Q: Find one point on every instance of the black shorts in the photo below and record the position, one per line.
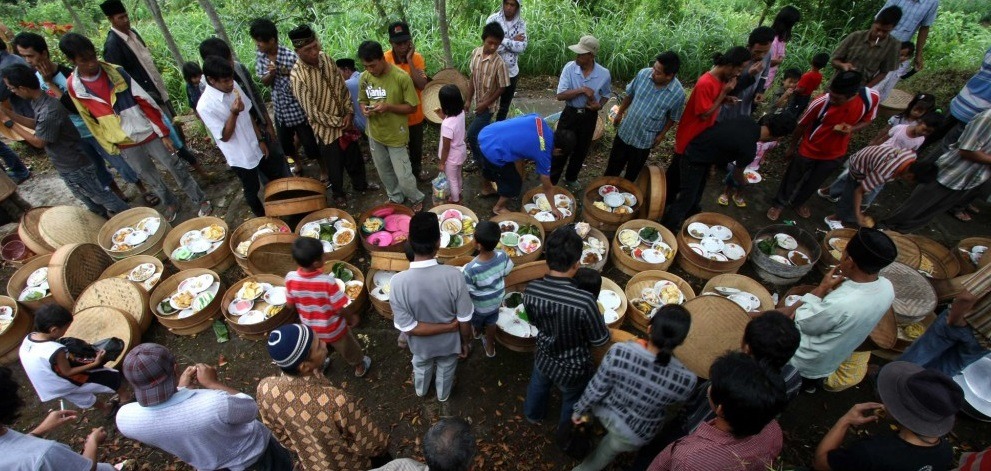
(508, 181)
(106, 377)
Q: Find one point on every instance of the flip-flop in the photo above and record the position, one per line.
(418, 206)
(773, 213)
(739, 202)
(803, 212)
(962, 216)
(152, 199)
(723, 200)
(833, 224)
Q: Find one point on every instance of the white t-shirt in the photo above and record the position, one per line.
(20, 452)
(242, 149)
(898, 137)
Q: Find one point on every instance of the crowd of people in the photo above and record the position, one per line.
(117, 111)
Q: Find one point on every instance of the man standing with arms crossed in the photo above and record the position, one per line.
(513, 44)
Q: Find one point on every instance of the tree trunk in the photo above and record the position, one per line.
(77, 23)
(218, 26)
(763, 14)
(169, 40)
(445, 37)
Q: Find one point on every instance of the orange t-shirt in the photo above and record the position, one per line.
(417, 116)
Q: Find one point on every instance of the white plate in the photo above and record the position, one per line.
(718, 257)
(199, 245)
(734, 251)
(136, 238)
(379, 294)
(806, 257)
(785, 241)
(565, 212)
(328, 246)
(628, 238)
(609, 299)
(610, 316)
(614, 200)
(791, 299)
(38, 276)
(544, 216)
(752, 176)
(833, 243)
(507, 240)
(512, 225)
(530, 207)
(32, 289)
(529, 240)
(190, 236)
(6, 313)
(451, 226)
(264, 287)
(712, 244)
(343, 224)
(593, 252)
(120, 235)
(781, 260)
(196, 284)
(149, 224)
(142, 272)
(726, 290)
(697, 230)
(607, 189)
(445, 239)
(383, 277)
(310, 229)
(722, 233)
(653, 256)
(562, 201)
(251, 317)
(630, 199)
(176, 306)
(185, 313)
(697, 249)
(233, 309)
(748, 301)
(275, 296)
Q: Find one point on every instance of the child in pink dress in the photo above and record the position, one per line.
(452, 151)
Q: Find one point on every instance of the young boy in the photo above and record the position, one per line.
(808, 84)
(588, 280)
(904, 70)
(485, 276)
(46, 362)
(319, 301)
(193, 75)
(789, 80)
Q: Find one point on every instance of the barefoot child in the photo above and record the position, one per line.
(452, 151)
(46, 362)
(319, 301)
(485, 276)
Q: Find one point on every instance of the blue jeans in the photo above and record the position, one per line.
(539, 390)
(836, 189)
(84, 185)
(481, 120)
(944, 347)
(15, 168)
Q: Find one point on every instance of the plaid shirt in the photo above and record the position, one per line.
(287, 109)
(650, 110)
(915, 14)
(711, 449)
(958, 173)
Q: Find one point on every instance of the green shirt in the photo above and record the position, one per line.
(395, 88)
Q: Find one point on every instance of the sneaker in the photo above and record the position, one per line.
(367, 363)
(833, 224)
(485, 346)
(401, 341)
(824, 194)
(205, 209)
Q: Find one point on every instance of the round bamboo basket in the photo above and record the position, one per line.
(151, 246)
(345, 253)
(901, 344)
(654, 188)
(523, 219)
(123, 268)
(200, 320)
(779, 273)
(945, 264)
(615, 336)
(798, 290)
(219, 260)
(607, 221)
(11, 338)
(102, 322)
(260, 330)
(896, 102)
(272, 254)
(550, 226)
(453, 76)
(294, 195)
(625, 262)
(909, 252)
(597, 234)
(19, 280)
(469, 244)
(962, 254)
(517, 281)
(914, 294)
(244, 232)
(717, 327)
(72, 268)
(743, 283)
(611, 285)
(383, 261)
(396, 246)
(118, 293)
(827, 260)
(7, 186)
(702, 267)
(459, 261)
(63, 225)
(29, 233)
(359, 304)
(646, 279)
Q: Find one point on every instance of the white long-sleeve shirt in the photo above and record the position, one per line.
(510, 49)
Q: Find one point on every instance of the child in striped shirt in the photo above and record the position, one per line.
(485, 276)
(319, 300)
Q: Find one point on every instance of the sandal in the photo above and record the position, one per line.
(773, 213)
(723, 200)
(152, 199)
(803, 212)
(367, 363)
(962, 216)
(417, 206)
(739, 202)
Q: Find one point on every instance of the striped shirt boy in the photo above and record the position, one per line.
(488, 73)
(319, 301)
(873, 166)
(487, 282)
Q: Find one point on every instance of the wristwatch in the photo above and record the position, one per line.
(9, 123)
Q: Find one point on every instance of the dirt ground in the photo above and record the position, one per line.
(488, 392)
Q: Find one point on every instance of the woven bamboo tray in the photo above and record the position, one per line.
(11, 338)
(516, 281)
(717, 328)
(631, 266)
(744, 283)
(72, 268)
(260, 330)
(63, 225)
(909, 252)
(522, 219)
(615, 336)
(945, 264)
(962, 254)
(653, 185)
(389, 261)
(345, 253)
(550, 226)
(469, 243)
(192, 324)
(646, 279)
(896, 102)
(123, 268)
(702, 267)
(219, 260)
(827, 261)
(272, 254)
(118, 293)
(453, 76)
(607, 221)
(396, 246)
(101, 322)
(18, 281)
(294, 195)
(611, 285)
(914, 295)
(244, 232)
(29, 233)
(151, 246)
(7, 186)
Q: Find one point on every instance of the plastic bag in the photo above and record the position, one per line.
(442, 188)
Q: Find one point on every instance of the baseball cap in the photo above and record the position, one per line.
(150, 368)
(399, 32)
(586, 45)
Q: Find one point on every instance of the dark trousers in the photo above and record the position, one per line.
(626, 156)
(15, 167)
(306, 138)
(507, 98)
(686, 201)
(582, 122)
(803, 177)
(344, 160)
(274, 458)
(415, 149)
(926, 201)
(271, 168)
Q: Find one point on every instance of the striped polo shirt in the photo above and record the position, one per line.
(979, 284)
(487, 74)
(487, 282)
(319, 301)
(569, 324)
(874, 166)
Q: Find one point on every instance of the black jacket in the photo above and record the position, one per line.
(115, 51)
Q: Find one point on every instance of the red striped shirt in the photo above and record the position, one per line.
(319, 301)
(874, 166)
